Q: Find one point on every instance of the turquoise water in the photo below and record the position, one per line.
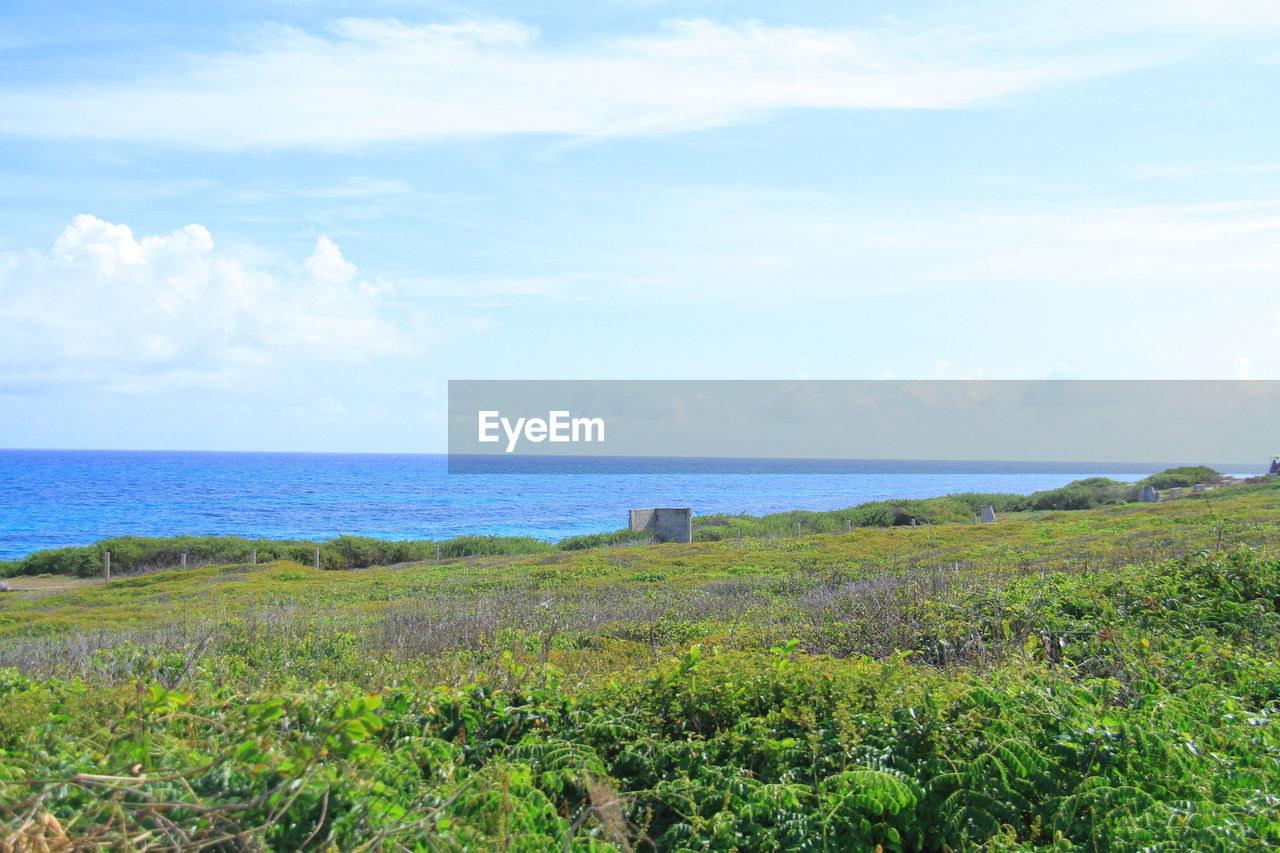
(52, 498)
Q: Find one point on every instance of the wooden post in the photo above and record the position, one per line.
(975, 519)
(437, 553)
(797, 528)
(184, 559)
(253, 558)
(317, 558)
(106, 565)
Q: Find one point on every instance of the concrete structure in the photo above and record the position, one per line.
(1148, 495)
(988, 514)
(1172, 493)
(1198, 488)
(666, 524)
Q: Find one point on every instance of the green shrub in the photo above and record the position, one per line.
(133, 553)
(1173, 478)
(467, 546)
(1110, 706)
(62, 561)
(136, 553)
(603, 540)
(1154, 727)
(1083, 494)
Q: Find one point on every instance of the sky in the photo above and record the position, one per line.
(286, 225)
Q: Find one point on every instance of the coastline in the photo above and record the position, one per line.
(133, 553)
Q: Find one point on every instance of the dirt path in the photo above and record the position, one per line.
(33, 583)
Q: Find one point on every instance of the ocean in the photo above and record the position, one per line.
(55, 498)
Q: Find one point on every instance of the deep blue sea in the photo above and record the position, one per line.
(52, 498)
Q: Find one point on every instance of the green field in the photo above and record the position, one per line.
(1100, 679)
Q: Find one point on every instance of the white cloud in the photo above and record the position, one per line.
(1152, 171)
(103, 308)
(752, 243)
(353, 188)
(369, 81)
(362, 81)
(1225, 244)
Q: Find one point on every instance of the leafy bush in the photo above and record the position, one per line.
(132, 553)
(466, 546)
(895, 694)
(604, 540)
(1152, 726)
(60, 561)
(1084, 494)
(949, 509)
(136, 553)
(1173, 478)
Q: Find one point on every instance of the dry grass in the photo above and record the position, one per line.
(48, 583)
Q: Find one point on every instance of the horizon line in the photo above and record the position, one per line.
(602, 457)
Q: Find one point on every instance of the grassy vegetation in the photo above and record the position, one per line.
(1093, 680)
(131, 554)
(949, 509)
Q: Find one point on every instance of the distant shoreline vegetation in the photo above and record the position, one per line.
(131, 554)
(499, 462)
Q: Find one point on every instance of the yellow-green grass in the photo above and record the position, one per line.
(47, 583)
(1074, 682)
(1023, 542)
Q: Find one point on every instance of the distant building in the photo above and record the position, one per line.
(666, 524)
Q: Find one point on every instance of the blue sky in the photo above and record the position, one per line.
(285, 225)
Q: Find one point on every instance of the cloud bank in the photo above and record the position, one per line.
(757, 244)
(384, 80)
(103, 308)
